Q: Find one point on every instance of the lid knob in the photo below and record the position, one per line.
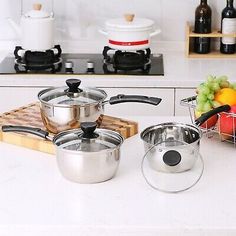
(73, 85)
(37, 6)
(172, 158)
(129, 17)
(88, 128)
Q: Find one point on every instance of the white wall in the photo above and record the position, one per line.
(79, 19)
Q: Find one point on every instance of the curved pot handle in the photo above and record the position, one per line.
(155, 32)
(102, 31)
(204, 117)
(121, 98)
(25, 129)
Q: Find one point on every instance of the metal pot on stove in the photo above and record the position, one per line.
(36, 29)
(129, 33)
(66, 107)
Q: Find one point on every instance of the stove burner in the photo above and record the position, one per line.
(26, 60)
(126, 61)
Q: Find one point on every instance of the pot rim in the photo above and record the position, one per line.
(117, 135)
(69, 105)
(139, 24)
(150, 128)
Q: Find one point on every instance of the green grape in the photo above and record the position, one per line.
(223, 78)
(210, 96)
(210, 78)
(201, 98)
(205, 90)
(200, 106)
(209, 84)
(215, 104)
(215, 87)
(224, 84)
(207, 107)
(218, 80)
(200, 87)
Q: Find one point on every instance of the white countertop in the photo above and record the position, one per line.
(179, 72)
(36, 200)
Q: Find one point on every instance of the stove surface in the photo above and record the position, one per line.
(80, 63)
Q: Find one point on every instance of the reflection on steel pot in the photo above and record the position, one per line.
(129, 33)
(86, 155)
(174, 148)
(66, 107)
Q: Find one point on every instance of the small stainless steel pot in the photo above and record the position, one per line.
(86, 155)
(178, 143)
(172, 162)
(66, 107)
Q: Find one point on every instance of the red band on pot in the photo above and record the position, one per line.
(129, 43)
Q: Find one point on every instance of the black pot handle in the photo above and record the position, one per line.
(204, 117)
(25, 129)
(120, 98)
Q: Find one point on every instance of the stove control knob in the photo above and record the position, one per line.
(69, 66)
(90, 67)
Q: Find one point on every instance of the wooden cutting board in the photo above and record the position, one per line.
(30, 116)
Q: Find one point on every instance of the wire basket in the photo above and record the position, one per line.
(224, 127)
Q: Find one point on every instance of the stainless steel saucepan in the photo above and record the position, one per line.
(172, 150)
(86, 155)
(66, 107)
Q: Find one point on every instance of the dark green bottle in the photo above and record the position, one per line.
(228, 26)
(202, 25)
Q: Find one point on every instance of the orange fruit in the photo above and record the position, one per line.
(226, 96)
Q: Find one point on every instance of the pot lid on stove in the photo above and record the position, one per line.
(129, 22)
(72, 94)
(37, 12)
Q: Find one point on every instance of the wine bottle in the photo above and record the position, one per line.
(202, 26)
(228, 26)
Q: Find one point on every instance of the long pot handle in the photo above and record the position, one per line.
(25, 129)
(211, 113)
(121, 98)
(102, 31)
(155, 32)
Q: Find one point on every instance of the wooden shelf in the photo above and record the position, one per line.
(214, 53)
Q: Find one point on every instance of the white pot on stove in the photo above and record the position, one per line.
(36, 29)
(129, 33)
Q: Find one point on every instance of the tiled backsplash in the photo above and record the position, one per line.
(80, 19)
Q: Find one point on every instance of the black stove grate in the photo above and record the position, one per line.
(82, 64)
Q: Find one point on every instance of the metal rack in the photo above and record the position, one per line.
(216, 130)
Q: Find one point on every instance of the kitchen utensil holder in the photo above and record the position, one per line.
(214, 53)
(214, 131)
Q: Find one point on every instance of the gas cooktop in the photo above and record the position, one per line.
(82, 64)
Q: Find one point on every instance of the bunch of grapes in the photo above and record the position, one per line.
(206, 92)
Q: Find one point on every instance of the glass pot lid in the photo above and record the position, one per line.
(72, 94)
(172, 166)
(88, 139)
